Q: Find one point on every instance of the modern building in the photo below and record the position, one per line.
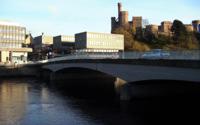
(12, 37)
(42, 41)
(42, 47)
(99, 42)
(63, 43)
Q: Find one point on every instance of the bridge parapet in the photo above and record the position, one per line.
(162, 62)
(131, 73)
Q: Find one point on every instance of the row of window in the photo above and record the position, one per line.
(70, 39)
(95, 50)
(104, 44)
(12, 42)
(10, 45)
(104, 36)
(11, 27)
(13, 31)
(12, 35)
(12, 38)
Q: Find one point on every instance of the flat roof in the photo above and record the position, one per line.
(101, 33)
(10, 23)
(65, 36)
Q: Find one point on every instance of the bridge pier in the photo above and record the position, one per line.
(125, 92)
(52, 77)
(119, 83)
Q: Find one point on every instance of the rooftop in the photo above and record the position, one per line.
(100, 33)
(9, 23)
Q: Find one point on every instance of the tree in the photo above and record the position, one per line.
(161, 41)
(197, 36)
(179, 30)
(128, 38)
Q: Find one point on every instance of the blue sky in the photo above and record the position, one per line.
(66, 17)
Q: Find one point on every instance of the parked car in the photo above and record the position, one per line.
(155, 54)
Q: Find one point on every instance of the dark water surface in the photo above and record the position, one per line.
(28, 101)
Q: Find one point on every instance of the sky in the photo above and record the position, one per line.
(67, 17)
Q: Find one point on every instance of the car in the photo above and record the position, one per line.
(155, 54)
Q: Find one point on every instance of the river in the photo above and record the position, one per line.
(29, 101)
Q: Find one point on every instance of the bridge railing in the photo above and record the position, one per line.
(173, 55)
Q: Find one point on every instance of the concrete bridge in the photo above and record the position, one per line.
(132, 70)
(128, 72)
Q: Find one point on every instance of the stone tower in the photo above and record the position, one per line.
(119, 9)
(123, 19)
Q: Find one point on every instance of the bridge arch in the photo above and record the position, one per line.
(85, 82)
(55, 68)
(134, 73)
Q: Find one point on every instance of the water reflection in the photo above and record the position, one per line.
(13, 99)
(31, 102)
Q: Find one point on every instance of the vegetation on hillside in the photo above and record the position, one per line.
(180, 39)
(130, 42)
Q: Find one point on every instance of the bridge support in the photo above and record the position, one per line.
(125, 92)
(52, 77)
(118, 84)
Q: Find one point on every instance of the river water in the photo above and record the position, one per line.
(28, 101)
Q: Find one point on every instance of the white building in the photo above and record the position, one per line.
(12, 36)
(99, 42)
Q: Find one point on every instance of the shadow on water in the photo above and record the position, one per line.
(85, 83)
(179, 103)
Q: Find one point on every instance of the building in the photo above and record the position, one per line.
(137, 23)
(99, 42)
(166, 26)
(189, 27)
(63, 43)
(42, 41)
(122, 21)
(12, 37)
(163, 29)
(196, 25)
(28, 41)
(42, 47)
(152, 29)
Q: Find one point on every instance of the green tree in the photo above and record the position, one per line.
(161, 41)
(179, 31)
